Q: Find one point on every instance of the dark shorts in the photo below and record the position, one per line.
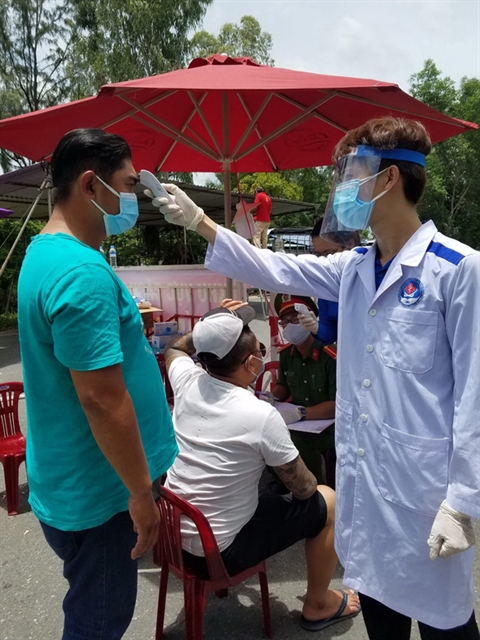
(278, 523)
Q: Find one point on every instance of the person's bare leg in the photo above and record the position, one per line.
(322, 602)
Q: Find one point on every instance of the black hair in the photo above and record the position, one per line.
(227, 365)
(86, 150)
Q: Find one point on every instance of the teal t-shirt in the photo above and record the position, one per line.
(75, 313)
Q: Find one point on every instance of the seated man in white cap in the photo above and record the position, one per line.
(226, 438)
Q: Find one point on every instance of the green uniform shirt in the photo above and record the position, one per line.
(311, 380)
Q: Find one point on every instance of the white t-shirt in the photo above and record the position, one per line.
(226, 436)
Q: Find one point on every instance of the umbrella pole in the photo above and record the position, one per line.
(226, 176)
(20, 233)
(228, 217)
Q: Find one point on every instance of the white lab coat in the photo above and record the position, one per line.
(407, 408)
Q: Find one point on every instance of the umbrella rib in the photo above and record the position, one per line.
(257, 131)
(317, 115)
(298, 119)
(253, 122)
(447, 119)
(127, 114)
(208, 151)
(184, 126)
(204, 120)
(170, 134)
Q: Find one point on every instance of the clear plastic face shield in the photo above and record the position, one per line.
(351, 202)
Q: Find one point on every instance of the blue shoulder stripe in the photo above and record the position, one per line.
(360, 249)
(444, 252)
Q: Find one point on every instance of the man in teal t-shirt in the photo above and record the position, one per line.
(99, 427)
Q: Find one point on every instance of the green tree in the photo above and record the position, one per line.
(8, 282)
(245, 39)
(315, 183)
(452, 196)
(428, 86)
(275, 184)
(126, 39)
(35, 38)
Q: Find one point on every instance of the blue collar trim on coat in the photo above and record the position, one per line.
(444, 252)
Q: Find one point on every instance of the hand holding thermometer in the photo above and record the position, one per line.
(149, 180)
(301, 308)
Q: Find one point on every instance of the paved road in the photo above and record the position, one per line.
(33, 587)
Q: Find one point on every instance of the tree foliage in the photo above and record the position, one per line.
(235, 40)
(151, 245)
(126, 39)
(452, 196)
(35, 38)
(8, 282)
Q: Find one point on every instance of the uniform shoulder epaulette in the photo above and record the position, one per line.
(330, 351)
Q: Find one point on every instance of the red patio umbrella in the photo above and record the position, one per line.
(225, 114)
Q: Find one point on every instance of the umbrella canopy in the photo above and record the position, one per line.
(223, 113)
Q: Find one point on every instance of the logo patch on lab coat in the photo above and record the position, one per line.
(410, 292)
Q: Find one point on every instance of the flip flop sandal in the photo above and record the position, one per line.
(318, 625)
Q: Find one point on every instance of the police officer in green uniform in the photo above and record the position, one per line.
(307, 376)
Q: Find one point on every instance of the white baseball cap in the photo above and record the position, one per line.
(218, 331)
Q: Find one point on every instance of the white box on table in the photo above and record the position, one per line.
(160, 342)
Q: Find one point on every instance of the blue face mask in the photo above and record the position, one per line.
(349, 210)
(126, 218)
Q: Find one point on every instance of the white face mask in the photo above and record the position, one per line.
(295, 333)
(257, 375)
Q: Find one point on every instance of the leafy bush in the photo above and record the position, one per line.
(8, 321)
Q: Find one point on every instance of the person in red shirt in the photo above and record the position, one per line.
(262, 218)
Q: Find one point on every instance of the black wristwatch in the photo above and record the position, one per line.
(303, 413)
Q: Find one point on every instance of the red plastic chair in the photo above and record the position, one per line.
(168, 554)
(12, 442)
(272, 368)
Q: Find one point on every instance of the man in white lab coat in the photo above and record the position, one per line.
(408, 392)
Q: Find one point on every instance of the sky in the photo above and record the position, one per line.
(386, 40)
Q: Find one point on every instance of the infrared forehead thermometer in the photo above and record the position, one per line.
(301, 308)
(149, 180)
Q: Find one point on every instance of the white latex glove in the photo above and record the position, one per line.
(288, 412)
(184, 212)
(310, 322)
(451, 533)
